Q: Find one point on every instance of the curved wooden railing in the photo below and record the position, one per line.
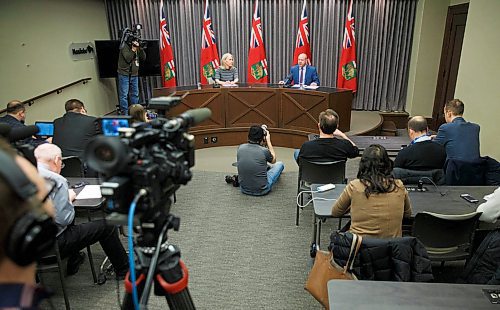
(57, 90)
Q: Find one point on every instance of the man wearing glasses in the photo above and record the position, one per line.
(73, 238)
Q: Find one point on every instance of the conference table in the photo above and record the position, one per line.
(382, 295)
(436, 199)
(393, 144)
(290, 114)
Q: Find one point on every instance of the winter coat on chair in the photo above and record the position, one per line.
(397, 259)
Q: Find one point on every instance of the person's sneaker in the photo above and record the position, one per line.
(74, 263)
(236, 183)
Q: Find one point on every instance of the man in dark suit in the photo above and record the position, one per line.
(74, 130)
(459, 137)
(302, 73)
(16, 114)
(422, 153)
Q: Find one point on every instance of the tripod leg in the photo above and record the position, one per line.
(128, 302)
(180, 300)
(173, 283)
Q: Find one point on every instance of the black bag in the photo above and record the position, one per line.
(485, 262)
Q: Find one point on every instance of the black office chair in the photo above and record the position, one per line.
(446, 237)
(73, 167)
(51, 262)
(313, 172)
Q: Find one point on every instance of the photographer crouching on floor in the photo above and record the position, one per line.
(254, 175)
(131, 55)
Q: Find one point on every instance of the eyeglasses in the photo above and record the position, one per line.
(62, 164)
(53, 186)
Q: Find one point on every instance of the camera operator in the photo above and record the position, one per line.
(22, 212)
(131, 55)
(253, 175)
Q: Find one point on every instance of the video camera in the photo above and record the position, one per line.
(128, 36)
(154, 158)
(18, 138)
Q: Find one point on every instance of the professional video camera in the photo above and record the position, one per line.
(128, 36)
(143, 168)
(17, 138)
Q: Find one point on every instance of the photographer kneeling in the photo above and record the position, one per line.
(253, 174)
(74, 237)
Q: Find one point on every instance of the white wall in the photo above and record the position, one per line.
(478, 83)
(35, 36)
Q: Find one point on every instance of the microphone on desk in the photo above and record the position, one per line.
(287, 80)
(421, 184)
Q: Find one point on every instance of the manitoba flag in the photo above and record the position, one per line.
(302, 45)
(348, 69)
(168, 76)
(257, 62)
(209, 56)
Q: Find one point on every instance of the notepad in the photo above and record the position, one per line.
(90, 192)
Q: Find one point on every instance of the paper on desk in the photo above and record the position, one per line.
(311, 87)
(90, 192)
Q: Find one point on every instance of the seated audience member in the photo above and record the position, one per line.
(71, 237)
(138, 113)
(74, 129)
(490, 208)
(422, 155)
(302, 73)
(16, 114)
(17, 279)
(328, 147)
(226, 73)
(254, 176)
(377, 202)
(459, 137)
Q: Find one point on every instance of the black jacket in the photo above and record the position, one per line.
(398, 259)
(73, 131)
(484, 266)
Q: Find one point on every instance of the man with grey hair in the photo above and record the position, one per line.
(73, 238)
(422, 153)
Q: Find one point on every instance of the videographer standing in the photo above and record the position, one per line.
(253, 175)
(128, 70)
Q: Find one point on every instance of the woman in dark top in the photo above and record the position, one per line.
(226, 74)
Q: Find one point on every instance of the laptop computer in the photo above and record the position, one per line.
(46, 129)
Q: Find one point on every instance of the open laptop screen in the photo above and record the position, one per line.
(46, 129)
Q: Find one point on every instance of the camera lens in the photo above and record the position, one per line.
(108, 155)
(103, 152)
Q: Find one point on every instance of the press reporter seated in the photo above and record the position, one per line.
(22, 209)
(71, 237)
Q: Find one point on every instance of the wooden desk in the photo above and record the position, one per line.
(432, 200)
(290, 114)
(382, 295)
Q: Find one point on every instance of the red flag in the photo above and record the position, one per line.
(348, 71)
(257, 62)
(302, 45)
(166, 55)
(209, 55)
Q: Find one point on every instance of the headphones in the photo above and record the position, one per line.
(33, 234)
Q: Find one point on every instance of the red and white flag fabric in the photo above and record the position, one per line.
(257, 62)
(348, 69)
(168, 74)
(302, 45)
(209, 59)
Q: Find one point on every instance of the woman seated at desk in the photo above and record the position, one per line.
(377, 202)
(226, 74)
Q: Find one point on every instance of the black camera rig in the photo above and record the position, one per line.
(129, 36)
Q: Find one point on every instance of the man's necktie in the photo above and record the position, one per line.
(301, 79)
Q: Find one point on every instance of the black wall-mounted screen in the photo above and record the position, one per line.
(107, 58)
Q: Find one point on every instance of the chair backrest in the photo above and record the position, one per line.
(458, 172)
(445, 231)
(321, 172)
(408, 176)
(73, 167)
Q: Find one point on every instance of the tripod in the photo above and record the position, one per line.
(162, 265)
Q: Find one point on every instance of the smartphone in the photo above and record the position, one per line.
(111, 124)
(469, 198)
(79, 184)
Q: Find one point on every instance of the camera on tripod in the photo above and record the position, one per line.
(129, 36)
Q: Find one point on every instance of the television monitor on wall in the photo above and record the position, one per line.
(107, 52)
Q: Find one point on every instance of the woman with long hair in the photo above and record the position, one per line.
(227, 72)
(376, 201)
(138, 113)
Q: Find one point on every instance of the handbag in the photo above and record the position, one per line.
(326, 269)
